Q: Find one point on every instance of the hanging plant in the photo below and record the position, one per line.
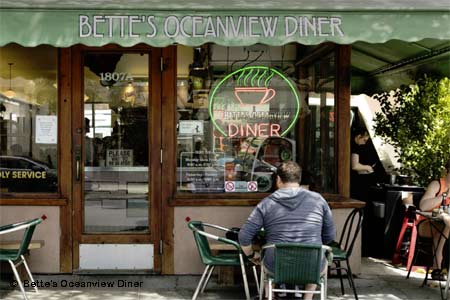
(415, 120)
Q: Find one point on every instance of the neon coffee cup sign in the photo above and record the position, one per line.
(254, 101)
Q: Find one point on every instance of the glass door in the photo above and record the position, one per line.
(113, 165)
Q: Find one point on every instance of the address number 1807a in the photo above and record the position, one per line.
(116, 76)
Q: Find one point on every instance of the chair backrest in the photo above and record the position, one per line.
(28, 227)
(351, 229)
(202, 241)
(298, 263)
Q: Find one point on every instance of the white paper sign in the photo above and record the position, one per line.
(46, 129)
(191, 127)
(119, 157)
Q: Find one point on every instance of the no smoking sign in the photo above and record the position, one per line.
(230, 186)
(252, 186)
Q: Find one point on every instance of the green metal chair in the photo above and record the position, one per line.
(15, 257)
(297, 264)
(343, 250)
(236, 258)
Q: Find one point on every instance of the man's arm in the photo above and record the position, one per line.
(328, 228)
(250, 229)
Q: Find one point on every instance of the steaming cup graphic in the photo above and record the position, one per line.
(254, 95)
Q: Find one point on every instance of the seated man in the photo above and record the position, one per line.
(437, 194)
(289, 215)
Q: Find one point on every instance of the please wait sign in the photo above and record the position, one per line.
(119, 157)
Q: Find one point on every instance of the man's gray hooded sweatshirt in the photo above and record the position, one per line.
(290, 215)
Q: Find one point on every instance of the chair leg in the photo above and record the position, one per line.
(29, 272)
(322, 291)
(197, 290)
(350, 278)
(261, 283)
(325, 282)
(412, 264)
(412, 246)
(19, 282)
(339, 272)
(244, 277)
(270, 289)
(447, 283)
(425, 280)
(255, 274)
(207, 279)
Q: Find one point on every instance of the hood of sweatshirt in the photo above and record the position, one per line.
(288, 197)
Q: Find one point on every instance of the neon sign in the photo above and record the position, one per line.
(254, 101)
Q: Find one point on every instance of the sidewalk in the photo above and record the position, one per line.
(379, 281)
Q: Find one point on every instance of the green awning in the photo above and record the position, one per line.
(160, 23)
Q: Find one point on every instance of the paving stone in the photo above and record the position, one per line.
(379, 281)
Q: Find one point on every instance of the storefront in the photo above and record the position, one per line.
(120, 123)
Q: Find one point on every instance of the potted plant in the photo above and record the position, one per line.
(415, 119)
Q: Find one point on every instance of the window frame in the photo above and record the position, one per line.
(342, 135)
(61, 196)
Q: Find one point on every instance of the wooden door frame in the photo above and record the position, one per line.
(154, 130)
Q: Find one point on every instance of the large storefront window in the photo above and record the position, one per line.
(28, 119)
(237, 115)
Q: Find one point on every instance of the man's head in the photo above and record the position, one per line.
(288, 173)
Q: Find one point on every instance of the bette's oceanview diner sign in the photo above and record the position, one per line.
(149, 26)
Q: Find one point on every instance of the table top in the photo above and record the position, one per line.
(218, 246)
(12, 245)
(429, 215)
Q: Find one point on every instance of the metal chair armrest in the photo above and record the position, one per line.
(19, 226)
(218, 238)
(264, 248)
(216, 227)
(327, 248)
(328, 254)
(9, 226)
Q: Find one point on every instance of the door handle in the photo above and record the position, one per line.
(78, 169)
(78, 163)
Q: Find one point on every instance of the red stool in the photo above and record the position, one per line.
(409, 221)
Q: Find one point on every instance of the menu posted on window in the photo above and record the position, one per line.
(46, 129)
(201, 171)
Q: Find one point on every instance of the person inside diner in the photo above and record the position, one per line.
(437, 195)
(291, 214)
(362, 165)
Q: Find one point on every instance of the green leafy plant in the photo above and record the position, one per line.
(415, 120)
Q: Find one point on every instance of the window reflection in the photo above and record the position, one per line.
(116, 143)
(237, 114)
(28, 119)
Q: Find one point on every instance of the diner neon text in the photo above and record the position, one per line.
(253, 130)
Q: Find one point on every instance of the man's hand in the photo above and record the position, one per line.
(252, 255)
(256, 258)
